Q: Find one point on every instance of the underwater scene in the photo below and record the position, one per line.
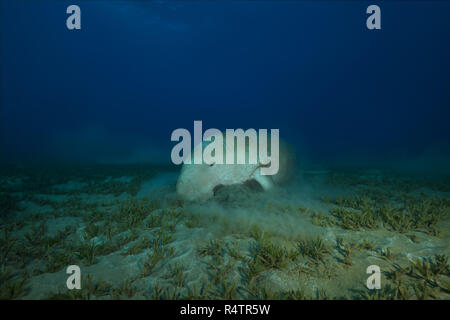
(118, 119)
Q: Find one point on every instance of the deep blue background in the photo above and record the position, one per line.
(115, 90)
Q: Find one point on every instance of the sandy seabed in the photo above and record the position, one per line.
(134, 239)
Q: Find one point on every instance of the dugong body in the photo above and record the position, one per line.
(198, 182)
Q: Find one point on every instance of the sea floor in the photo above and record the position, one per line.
(134, 239)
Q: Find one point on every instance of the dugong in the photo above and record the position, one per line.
(198, 182)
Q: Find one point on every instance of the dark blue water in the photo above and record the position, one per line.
(137, 70)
